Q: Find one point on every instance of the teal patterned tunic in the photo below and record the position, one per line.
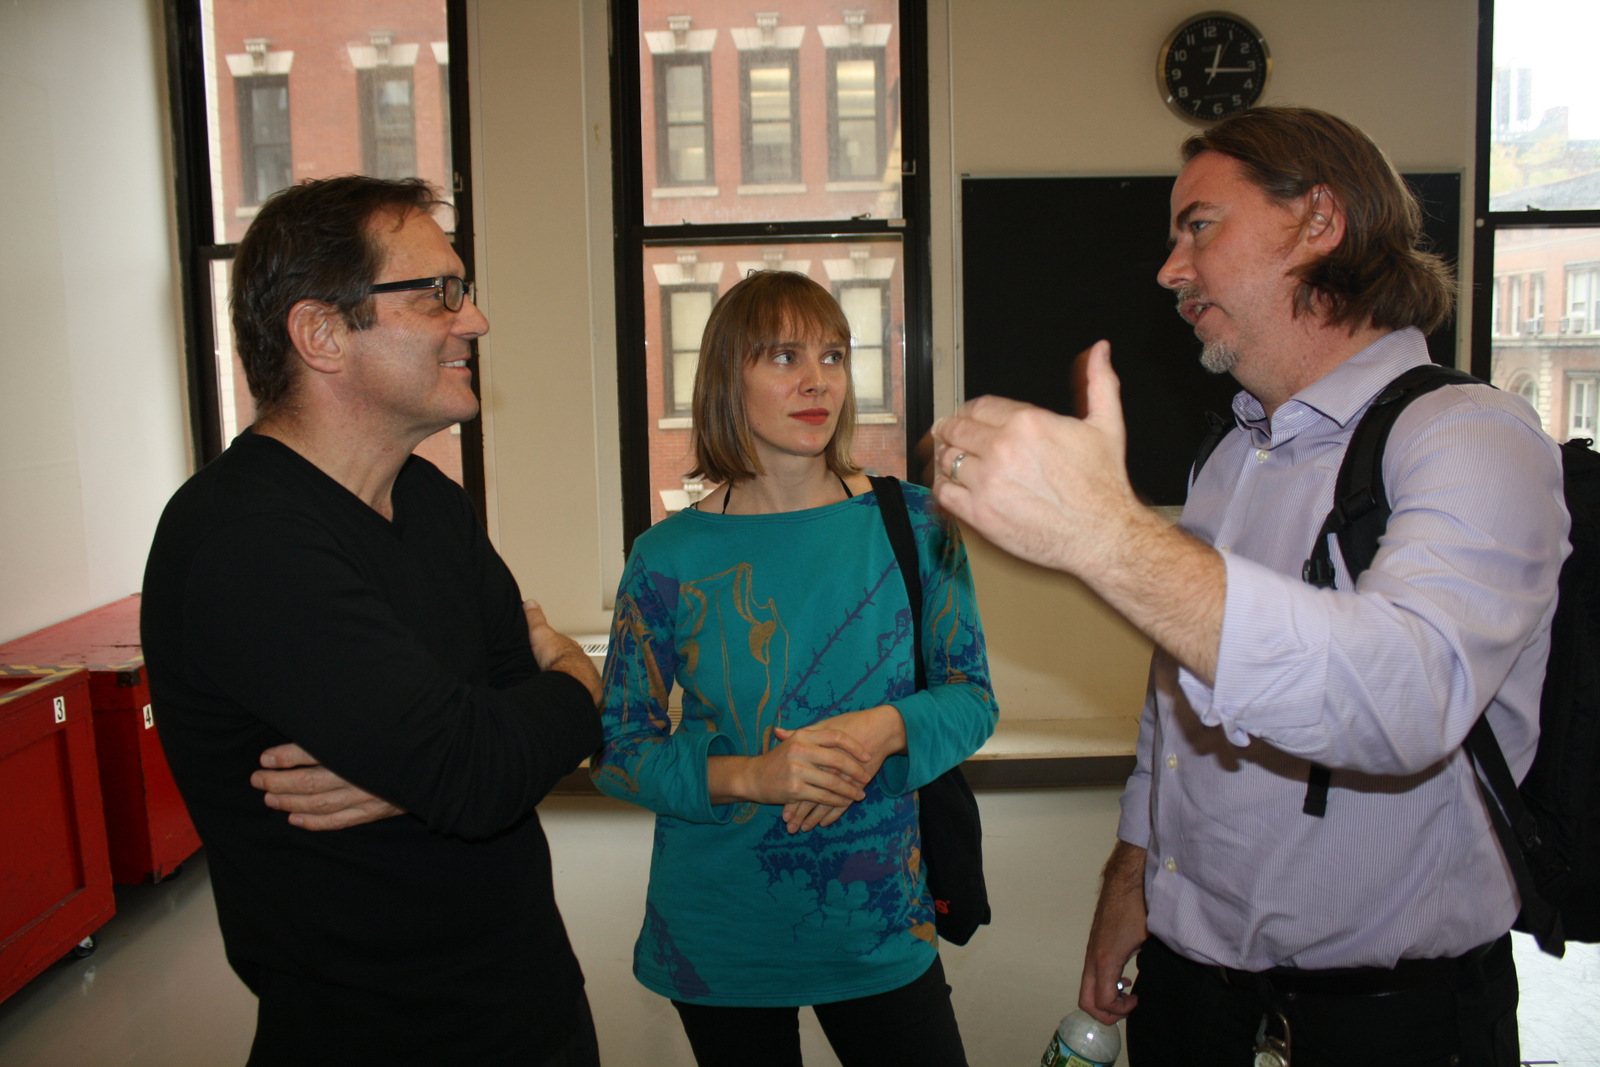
(782, 620)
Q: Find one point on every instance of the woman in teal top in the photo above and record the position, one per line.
(786, 866)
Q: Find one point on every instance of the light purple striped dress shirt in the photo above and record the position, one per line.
(1380, 684)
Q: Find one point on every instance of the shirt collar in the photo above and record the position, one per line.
(1342, 393)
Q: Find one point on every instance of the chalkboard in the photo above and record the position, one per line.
(1051, 265)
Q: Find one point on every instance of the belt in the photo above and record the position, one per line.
(1446, 972)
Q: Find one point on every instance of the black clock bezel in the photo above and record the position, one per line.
(1164, 63)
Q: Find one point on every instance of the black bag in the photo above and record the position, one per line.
(1549, 829)
(952, 837)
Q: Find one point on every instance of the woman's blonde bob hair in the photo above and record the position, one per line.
(762, 311)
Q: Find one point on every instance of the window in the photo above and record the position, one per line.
(354, 109)
(441, 56)
(683, 237)
(1539, 209)
(684, 120)
(684, 311)
(1583, 296)
(866, 306)
(388, 123)
(1524, 385)
(770, 108)
(265, 163)
(1582, 392)
(856, 114)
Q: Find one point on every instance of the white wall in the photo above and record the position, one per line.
(92, 424)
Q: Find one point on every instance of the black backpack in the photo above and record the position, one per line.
(1549, 828)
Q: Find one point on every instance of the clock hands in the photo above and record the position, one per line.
(1217, 67)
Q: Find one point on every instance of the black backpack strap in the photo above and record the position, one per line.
(1360, 503)
(1361, 507)
(897, 524)
(1217, 428)
(1518, 832)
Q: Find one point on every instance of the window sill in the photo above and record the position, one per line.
(859, 187)
(673, 192)
(876, 418)
(772, 190)
(675, 422)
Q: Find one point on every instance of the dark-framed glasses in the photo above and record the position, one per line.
(452, 290)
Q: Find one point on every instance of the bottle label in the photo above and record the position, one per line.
(1059, 1055)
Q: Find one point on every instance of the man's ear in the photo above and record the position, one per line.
(318, 331)
(1324, 221)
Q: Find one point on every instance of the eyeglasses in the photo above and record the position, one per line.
(452, 290)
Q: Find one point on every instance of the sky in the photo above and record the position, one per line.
(1557, 39)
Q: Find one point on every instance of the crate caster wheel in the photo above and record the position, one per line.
(85, 948)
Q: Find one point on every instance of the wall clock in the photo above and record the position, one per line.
(1212, 66)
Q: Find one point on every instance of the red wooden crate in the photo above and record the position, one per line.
(147, 825)
(55, 876)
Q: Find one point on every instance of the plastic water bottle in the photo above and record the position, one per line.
(1082, 1041)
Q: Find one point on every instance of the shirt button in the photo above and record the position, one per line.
(1172, 762)
(1172, 865)
(1261, 455)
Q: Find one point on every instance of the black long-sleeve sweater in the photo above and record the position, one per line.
(278, 607)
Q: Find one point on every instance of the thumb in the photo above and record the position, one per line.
(1100, 390)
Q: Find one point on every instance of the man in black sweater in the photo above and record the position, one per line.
(318, 589)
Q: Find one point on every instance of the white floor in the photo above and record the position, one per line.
(158, 993)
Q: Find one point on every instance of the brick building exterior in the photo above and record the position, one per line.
(308, 90)
(748, 116)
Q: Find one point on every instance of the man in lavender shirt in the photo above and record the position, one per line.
(1376, 933)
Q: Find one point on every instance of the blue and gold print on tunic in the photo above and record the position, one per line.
(784, 620)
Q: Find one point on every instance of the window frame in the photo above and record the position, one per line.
(245, 116)
(199, 247)
(879, 60)
(631, 235)
(884, 288)
(374, 143)
(671, 408)
(1589, 383)
(1590, 315)
(1489, 223)
(707, 123)
(749, 59)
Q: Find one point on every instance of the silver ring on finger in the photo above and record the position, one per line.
(955, 466)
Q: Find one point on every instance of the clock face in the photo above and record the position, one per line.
(1213, 66)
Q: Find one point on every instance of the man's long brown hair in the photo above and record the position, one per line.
(1380, 273)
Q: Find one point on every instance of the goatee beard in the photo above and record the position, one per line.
(1218, 358)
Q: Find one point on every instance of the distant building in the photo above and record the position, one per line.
(770, 117)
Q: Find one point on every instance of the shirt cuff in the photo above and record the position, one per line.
(1266, 661)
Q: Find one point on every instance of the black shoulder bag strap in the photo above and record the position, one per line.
(952, 832)
(897, 524)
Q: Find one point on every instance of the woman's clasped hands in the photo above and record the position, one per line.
(872, 734)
